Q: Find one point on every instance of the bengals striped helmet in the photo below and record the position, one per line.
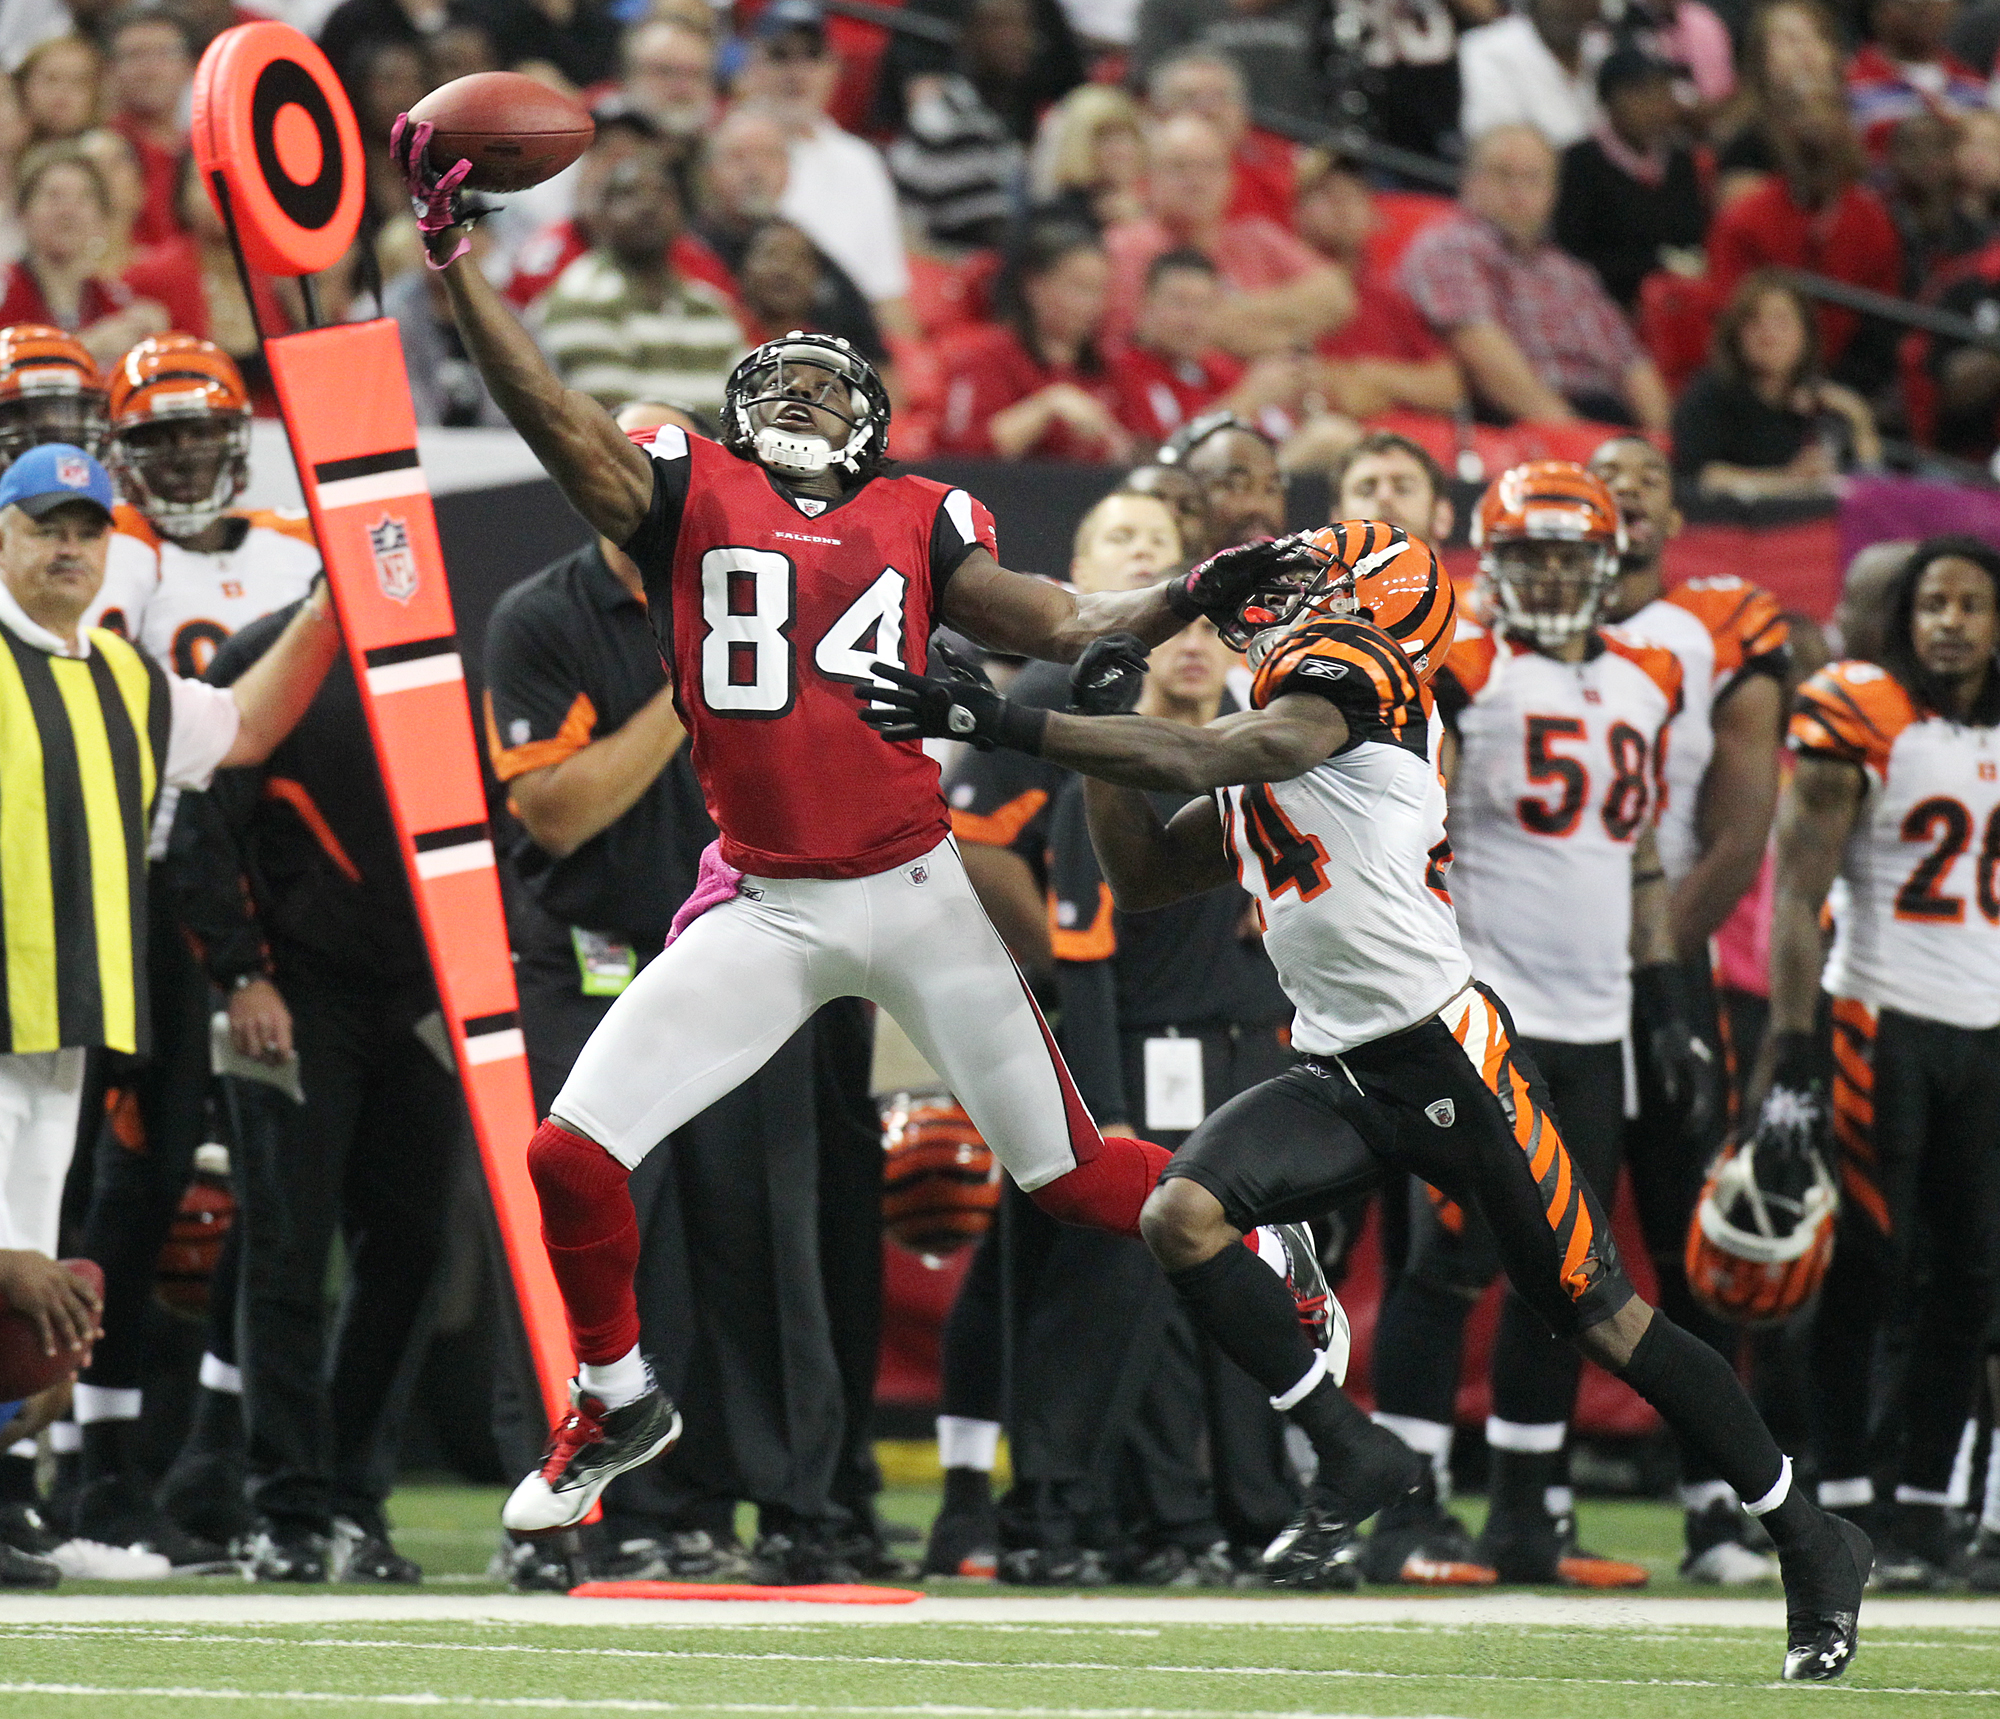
(940, 1182)
(180, 432)
(1549, 537)
(49, 392)
(1762, 1234)
(1365, 568)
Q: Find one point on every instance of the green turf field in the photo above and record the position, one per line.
(220, 1646)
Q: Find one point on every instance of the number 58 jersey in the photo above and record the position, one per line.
(1347, 862)
(770, 610)
(1917, 903)
(1559, 770)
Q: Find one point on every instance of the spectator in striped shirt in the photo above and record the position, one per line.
(621, 323)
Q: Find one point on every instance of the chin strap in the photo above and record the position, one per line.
(807, 456)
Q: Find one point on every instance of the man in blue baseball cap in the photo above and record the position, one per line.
(94, 729)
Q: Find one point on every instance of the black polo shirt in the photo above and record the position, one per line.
(569, 660)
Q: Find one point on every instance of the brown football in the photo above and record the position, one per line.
(514, 130)
(24, 1369)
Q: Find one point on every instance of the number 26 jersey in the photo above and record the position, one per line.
(1917, 903)
(1347, 862)
(770, 610)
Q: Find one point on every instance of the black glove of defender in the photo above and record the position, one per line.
(1109, 676)
(960, 705)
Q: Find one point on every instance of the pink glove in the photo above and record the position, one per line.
(715, 881)
(435, 199)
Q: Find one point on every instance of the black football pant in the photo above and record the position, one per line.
(1454, 1256)
(368, 1155)
(143, 1142)
(1917, 1130)
(732, 1296)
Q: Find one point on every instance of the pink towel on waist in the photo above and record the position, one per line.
(714, 883)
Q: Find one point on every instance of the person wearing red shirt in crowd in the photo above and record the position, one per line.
(1209, 84)
(622, 131)
(1815, 214)
(1908, 70)
(1283, 294)
(151, 64)
(192, 277)
(1385, 356)
(1036, 386)
(64, 209)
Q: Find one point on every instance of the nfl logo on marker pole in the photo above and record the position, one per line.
(395, 566)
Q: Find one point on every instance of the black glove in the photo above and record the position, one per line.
(1109, 676)
(960, 705)
(1219, 586)
(1796, 1122)
(1683, 1064)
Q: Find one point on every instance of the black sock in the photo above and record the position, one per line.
(1701, 1399)
(968, 1489)
(217, 1423)
(110, 1450)
(1419, 1345)
(17, 1480)
(1242, 1303)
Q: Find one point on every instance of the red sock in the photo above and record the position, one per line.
(1108, 1185)
(592, 1236)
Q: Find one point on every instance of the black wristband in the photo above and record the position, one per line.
(1182, 601)
(1020, 727)
(1800, 1060)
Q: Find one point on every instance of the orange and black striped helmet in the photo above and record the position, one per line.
(1762, 1234)
(1365, 568)
(181, 478)
(50, 391)
(1548, 501)
(940, 1184)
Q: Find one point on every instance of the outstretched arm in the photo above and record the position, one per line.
(1285, 739)
(1150, 864)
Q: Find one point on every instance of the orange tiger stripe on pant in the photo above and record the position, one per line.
(1854, 1108)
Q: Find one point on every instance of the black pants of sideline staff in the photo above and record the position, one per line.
(369, 1153)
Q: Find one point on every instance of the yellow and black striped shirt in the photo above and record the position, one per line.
(82, 743)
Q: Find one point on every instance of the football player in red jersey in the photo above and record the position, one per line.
(783, 569)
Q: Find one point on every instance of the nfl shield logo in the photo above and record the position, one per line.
(71, 472)
(920, 873)
(811, 506)
(395, 565)
(1442, 1112)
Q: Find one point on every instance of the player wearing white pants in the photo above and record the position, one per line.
(711, 1010)
(40, 1095)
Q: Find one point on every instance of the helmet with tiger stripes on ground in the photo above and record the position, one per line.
(1549, 536)
(180, 432)
(1362, 568)
(50, 391)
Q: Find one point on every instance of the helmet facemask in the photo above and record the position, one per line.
(183, 470)
(811, 373)
(55, 411)
(1550, 589)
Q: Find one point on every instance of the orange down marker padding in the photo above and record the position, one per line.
(346, 402)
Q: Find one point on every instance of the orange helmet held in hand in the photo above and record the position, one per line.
(940, 1182)
(180, 432)
(1762, 1233)
(1549, 536)
(50, 391)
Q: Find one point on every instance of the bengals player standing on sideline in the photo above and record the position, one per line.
(179, 435)
(1324, 800)
(1721, 788)
(783, 571)
(1555, 734)
(1894, 806)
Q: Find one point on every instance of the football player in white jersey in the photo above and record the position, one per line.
(1555, 731)
(1894, 808)
(178, 434)
(1324, 800)
(50, 391)
(1721, 787)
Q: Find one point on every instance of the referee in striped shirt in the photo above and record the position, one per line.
(90, 729)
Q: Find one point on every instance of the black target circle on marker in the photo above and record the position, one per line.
(280, 84)
(275, 137)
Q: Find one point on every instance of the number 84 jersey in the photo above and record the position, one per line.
(1917, 904)
(1347, 862)
(770, 610)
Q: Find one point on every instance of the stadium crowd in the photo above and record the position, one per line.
(1063, 235)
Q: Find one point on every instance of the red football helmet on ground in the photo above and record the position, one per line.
(1549, 536)
(1359, 567)
(940, 1182)
(179, 432)
(1762, 1234)
(50, 391)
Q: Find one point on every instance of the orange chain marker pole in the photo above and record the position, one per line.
(279, 149)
